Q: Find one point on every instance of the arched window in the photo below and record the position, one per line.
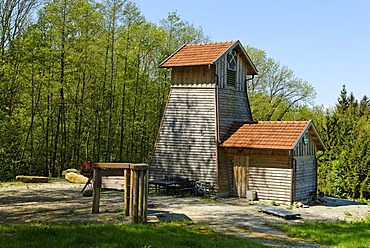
(232, 61)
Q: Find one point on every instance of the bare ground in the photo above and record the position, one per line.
(62, 202)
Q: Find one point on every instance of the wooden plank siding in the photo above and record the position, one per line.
(221, 73)
(271, 183)
(241, 177)
(225, 170)
(270, 176)
(232, 107)
(270, 173)
(303, 149)
(113, 182)
(305, 170)
(193, 75)
(186, 144)
(305, 178)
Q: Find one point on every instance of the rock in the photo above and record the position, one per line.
(75, 178)
(298, 204)
(32, 179)
(69, 170)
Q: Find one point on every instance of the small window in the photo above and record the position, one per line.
(306, 138)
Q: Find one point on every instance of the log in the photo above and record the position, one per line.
(32, 179)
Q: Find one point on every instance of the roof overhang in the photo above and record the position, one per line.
(310, 128)
(272, 135)
(251, 68)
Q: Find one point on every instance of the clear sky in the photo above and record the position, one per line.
(325, 42)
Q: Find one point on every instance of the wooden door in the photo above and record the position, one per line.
(241, 165)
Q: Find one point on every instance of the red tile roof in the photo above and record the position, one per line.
(280, 135)
(197, 54)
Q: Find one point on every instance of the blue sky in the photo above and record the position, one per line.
(326, 43)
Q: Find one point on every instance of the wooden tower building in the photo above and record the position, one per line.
(207, 105)
(207, 96)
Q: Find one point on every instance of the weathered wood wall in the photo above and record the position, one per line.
(303, 149)
(186, 144)
(270, 173)
(225, 185)
(305, 175)
(221, 74)
(271, 177)
(240, 175)
(271, 183)
(113, 182)
(233, 107)
(193, 75)
(305, 178)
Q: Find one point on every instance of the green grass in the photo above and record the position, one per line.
(175, 234)
(338, 234)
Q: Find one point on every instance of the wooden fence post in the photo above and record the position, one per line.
(139, 188)
(127, 192)
(96, 191)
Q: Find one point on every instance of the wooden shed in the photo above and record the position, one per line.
(276, 159)
(206, 111)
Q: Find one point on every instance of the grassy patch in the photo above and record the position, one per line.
(339, 234)
(173, 234)
(13, 183)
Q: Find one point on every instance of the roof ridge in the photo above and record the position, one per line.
(210, 43)
(305, 121)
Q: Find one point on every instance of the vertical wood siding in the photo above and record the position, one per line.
(193, 75)
(303, 149)
(241, 73)
(305, 177)
(241, 178)
(186, 145)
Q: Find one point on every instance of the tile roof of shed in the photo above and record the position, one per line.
(197, 54)
(280, 135)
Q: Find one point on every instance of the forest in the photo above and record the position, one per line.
(79, 80)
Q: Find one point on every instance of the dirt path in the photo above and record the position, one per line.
(62, 201)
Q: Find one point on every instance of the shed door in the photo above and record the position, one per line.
(241, 165)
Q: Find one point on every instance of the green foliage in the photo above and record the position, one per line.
(344, 169)
(82, 83)
(338, 234)
(276, 92)
(111, 235)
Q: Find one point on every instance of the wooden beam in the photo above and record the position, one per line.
(111, 165)
(96, 192)
(127, 192)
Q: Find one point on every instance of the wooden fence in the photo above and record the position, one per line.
(135, 187)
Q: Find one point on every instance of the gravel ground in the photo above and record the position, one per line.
(62, 201)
